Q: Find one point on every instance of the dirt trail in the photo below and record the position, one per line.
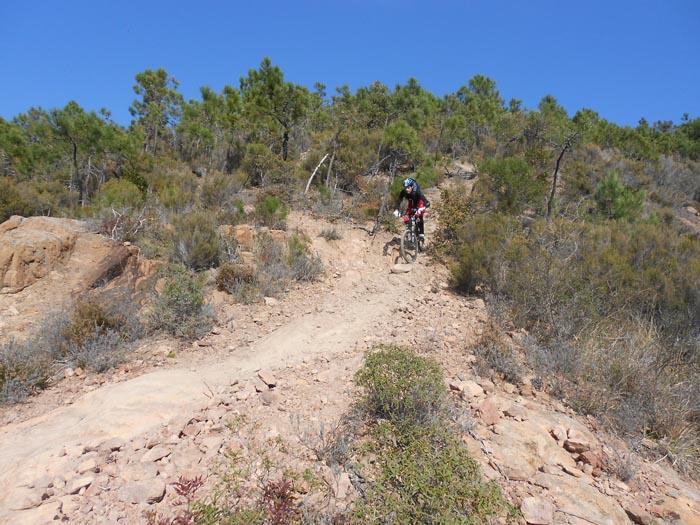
(354, 301)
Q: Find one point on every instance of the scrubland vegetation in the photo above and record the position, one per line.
(578, 233)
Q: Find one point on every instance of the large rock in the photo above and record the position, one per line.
(45, 263)
(31, 248)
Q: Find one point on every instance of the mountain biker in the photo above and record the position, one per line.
(416, 201)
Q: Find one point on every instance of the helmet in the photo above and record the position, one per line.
(409, 182)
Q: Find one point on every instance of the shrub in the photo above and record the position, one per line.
(217, 190)
(432, 479)
(119, 194)
(331, 234)
(24, 368)
(480, 257)
(270, 212)
(495, 352)
(12, 202)
(179, 308)
(196, 242)
(97, 334)
(616, 201)
(509, 185)
(402, 387)
(239, 281)
(303, 265)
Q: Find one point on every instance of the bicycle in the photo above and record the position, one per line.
(411, 243)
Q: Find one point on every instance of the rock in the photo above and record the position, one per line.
(268, 378)
(637, 514)
(151, 491)
(516, 412)
(470, 390)
(156, 453)
(343, 487)
(537, 511)
(576, 441)
(24, 498)
(79, 483)
(89, 465)
(489, 412)
(401, 268)
(269, 397)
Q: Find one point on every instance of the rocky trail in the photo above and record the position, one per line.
(107, 448)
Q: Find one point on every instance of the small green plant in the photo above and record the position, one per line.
(402, 387)
(179, 308)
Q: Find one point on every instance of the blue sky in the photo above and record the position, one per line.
(624, 59)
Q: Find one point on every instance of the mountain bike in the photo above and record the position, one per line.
(411, 243)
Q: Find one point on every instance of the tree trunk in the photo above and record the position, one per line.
(308, 183)
(567, 145)
(285, 144)
(330, 168)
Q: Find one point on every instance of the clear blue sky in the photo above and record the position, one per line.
(624, 59)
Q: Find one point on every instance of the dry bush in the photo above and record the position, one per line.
(195, 241)
(239, 281)
(25, 367)
(495, 352)
(331, 234)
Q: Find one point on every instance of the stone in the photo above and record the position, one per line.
(537, 511)
(489, 412)
(151, 491)
(156, 453)
(79, 483)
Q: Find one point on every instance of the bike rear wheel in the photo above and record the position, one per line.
(409, 246)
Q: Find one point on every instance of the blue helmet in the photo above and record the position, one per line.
(409, 182)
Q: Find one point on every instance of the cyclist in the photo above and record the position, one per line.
(416, 201)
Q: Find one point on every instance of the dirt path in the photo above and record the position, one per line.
(358, 296)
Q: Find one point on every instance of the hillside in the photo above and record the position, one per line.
(271, 376)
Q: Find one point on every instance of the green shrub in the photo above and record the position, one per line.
(177, 191)
(12, 202)
(509, 185)
(614, 200)
(482, 242)
(432, 479)
(119, 194)
(271, 212)
(179, 308)
(402, 387)
(196, 242)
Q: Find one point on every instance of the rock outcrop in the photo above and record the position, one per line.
(46, 262)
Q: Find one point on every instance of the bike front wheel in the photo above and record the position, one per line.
(409, 246)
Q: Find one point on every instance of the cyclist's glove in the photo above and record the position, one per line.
(396, 213)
